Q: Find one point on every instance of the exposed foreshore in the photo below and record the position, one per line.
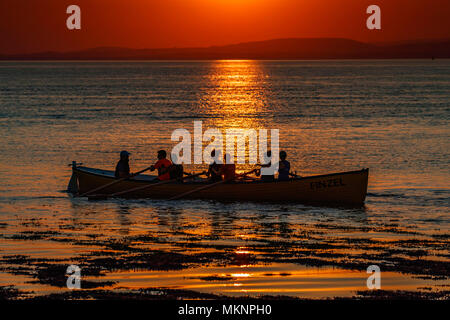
(413, 254)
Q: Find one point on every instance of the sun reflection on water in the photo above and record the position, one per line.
(235, 95)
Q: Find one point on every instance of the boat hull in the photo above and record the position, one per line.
(346, 188)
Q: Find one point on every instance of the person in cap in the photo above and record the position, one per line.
(162, 165)
(284, 167)
(123, 166)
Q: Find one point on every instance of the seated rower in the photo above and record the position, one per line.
(176, 170)
(215, 169)
(228, 168)
(162, 165)
(267, 175)
(123, 167)
(284, 167)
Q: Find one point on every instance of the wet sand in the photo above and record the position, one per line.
(317, 261)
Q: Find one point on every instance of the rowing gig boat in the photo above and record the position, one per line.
(344, 188)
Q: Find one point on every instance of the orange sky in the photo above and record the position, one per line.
(39, 25)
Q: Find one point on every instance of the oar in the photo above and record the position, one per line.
(154, 185)
(209, 186)
(114, 182)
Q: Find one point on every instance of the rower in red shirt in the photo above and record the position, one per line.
(162, 165)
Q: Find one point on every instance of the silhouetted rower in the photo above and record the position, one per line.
(123, 167)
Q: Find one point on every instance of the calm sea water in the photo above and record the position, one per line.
(390, 116)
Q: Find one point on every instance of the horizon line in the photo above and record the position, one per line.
(160, 50)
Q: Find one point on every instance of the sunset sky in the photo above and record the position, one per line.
(30, 26)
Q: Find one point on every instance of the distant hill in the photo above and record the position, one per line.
(294, 48)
